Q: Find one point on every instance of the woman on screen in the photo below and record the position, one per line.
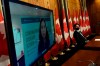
(43, 37)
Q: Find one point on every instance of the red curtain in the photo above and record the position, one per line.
(71, 30)
(47, 56)
(75, 17)
(81, 21)
(59, 37)
(3, 42)
(88, 23)
(65, 26)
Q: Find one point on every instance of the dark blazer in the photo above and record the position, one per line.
(80, 39)
(43, 46)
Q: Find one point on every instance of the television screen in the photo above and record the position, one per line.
(32, 29)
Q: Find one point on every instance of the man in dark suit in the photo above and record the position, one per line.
(80, 39)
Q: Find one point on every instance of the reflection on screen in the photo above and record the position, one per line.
(17, 35)
(33, 32)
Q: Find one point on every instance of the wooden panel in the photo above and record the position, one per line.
(52, 4)
(47, 3)
(73, 5)
(35, 2)
(94, 13)
(83, 55)
(42, 3)
(24, 0)
(0, 6)
(93, 45)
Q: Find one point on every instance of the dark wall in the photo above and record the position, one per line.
(93, 7)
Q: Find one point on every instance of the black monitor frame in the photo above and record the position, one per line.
(8, 28)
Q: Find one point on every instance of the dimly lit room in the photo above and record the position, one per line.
(49, 32)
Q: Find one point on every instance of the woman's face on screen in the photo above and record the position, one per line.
(43, 29)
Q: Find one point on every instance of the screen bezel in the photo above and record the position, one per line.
(9, 31)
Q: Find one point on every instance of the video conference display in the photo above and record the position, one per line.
(33, 32)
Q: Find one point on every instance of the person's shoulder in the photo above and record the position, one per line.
(75, 31)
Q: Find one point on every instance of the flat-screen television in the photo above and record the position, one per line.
(30, 31)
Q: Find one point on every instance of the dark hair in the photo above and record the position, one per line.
(40, 36)
(74, 26)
